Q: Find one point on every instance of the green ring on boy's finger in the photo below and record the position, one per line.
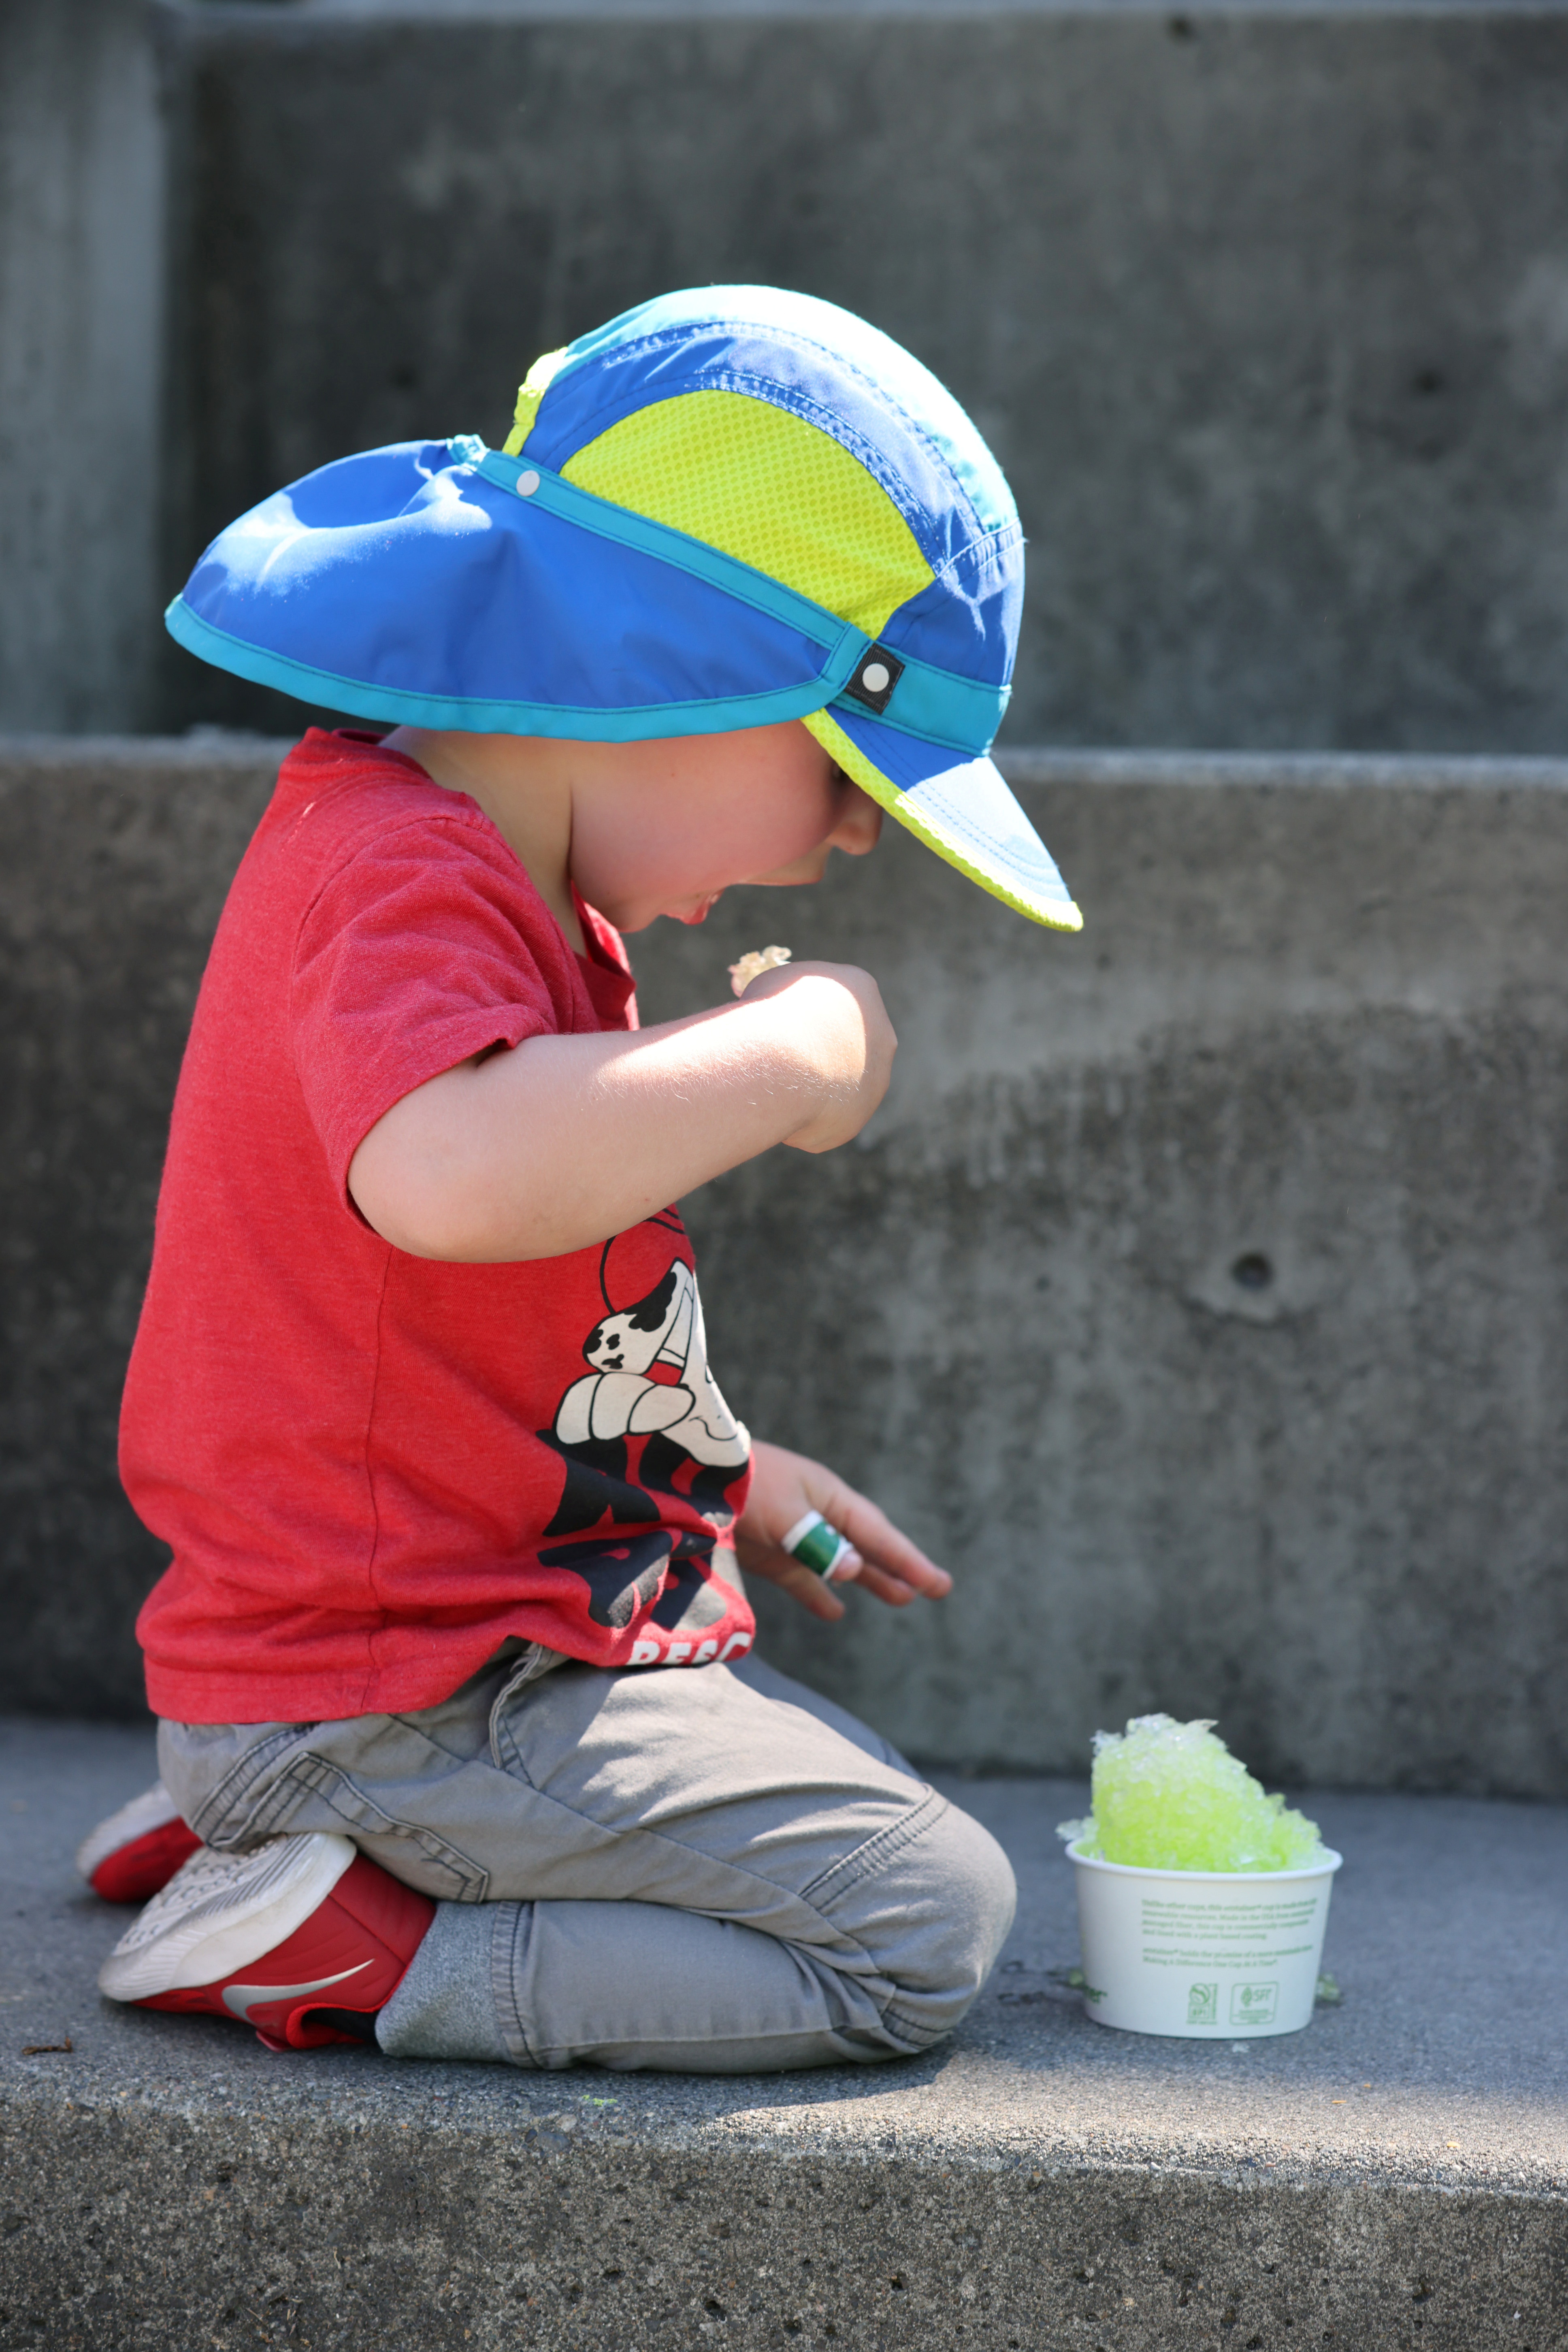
(817, 1545)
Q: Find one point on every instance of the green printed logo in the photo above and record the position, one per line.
(1253, 2004)
(1203, 2004)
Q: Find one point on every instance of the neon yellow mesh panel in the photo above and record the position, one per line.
(762, 485)
(529, 393)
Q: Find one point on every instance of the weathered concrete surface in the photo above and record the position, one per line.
(1265, 311)
(1394, 2176)
(1313, 1040)
(1314, 1034)
(115, 860)
(82, 347)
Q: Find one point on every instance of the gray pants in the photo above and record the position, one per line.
(707, 1869)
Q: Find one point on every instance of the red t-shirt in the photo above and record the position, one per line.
(373, 1468)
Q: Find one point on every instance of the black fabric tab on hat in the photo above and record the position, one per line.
(875, 690)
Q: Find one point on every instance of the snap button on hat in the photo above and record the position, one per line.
(874, 681)
(526, 484)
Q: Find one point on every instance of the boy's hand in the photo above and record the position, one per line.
(839, 1026)
(785, 1486)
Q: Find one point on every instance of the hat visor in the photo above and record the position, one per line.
(962, 808)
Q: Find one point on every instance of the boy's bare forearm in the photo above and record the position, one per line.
(565, 1140)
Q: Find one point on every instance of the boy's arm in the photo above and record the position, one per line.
(785, 1485)
(562, 1142)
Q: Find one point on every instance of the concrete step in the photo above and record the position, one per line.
(1314, 1032)
(1395, 2176)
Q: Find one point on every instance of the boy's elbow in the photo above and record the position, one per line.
(412, 1198)
(439, 1176)
(415, 1218)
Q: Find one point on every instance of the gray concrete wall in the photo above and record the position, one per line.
(82, 280)
(1265, 312)
(1198, 1294)
(1312, 1039)
(115, 860)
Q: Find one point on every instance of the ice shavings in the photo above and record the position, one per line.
(754, 964)
(1170, 1796)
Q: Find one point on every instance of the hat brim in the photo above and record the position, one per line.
(415, 585)
(962, 808)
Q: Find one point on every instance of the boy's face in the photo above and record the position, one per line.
(664, 828)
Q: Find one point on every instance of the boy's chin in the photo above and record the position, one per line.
(637, 915)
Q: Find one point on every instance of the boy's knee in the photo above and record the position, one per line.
(955, 1900)
(984, 1894)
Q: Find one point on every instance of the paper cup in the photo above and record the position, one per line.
(1209, 1955)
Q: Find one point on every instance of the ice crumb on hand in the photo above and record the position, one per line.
(752, 965)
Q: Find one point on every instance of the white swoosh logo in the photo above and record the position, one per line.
(240, 1999)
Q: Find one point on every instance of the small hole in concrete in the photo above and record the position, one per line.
(1182, 28)
(1252, 1270)
(1428, 381)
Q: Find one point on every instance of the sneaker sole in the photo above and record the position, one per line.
(205, 1926)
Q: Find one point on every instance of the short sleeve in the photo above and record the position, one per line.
(425, 946)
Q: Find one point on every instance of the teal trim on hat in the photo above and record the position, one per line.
(936, 705)
(940, 707)
(578, 724)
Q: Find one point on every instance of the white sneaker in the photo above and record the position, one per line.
(263, 1937)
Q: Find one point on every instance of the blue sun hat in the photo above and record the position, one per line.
(729, 507)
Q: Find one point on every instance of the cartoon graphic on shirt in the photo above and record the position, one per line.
(650, 1391)
(617, 1399)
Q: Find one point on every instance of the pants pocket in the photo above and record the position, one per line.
(305, 1791)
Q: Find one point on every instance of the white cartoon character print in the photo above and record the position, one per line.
(617, 1399)
(648, 1461)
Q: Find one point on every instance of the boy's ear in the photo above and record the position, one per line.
(859, 826)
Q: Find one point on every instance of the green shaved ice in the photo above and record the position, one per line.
(1170, 1796)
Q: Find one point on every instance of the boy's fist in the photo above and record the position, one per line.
(833, 1017)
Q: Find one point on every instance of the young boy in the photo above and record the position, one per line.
(459, 1727)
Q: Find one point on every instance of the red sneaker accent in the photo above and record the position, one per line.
(134, 1872)
(353, 1953)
